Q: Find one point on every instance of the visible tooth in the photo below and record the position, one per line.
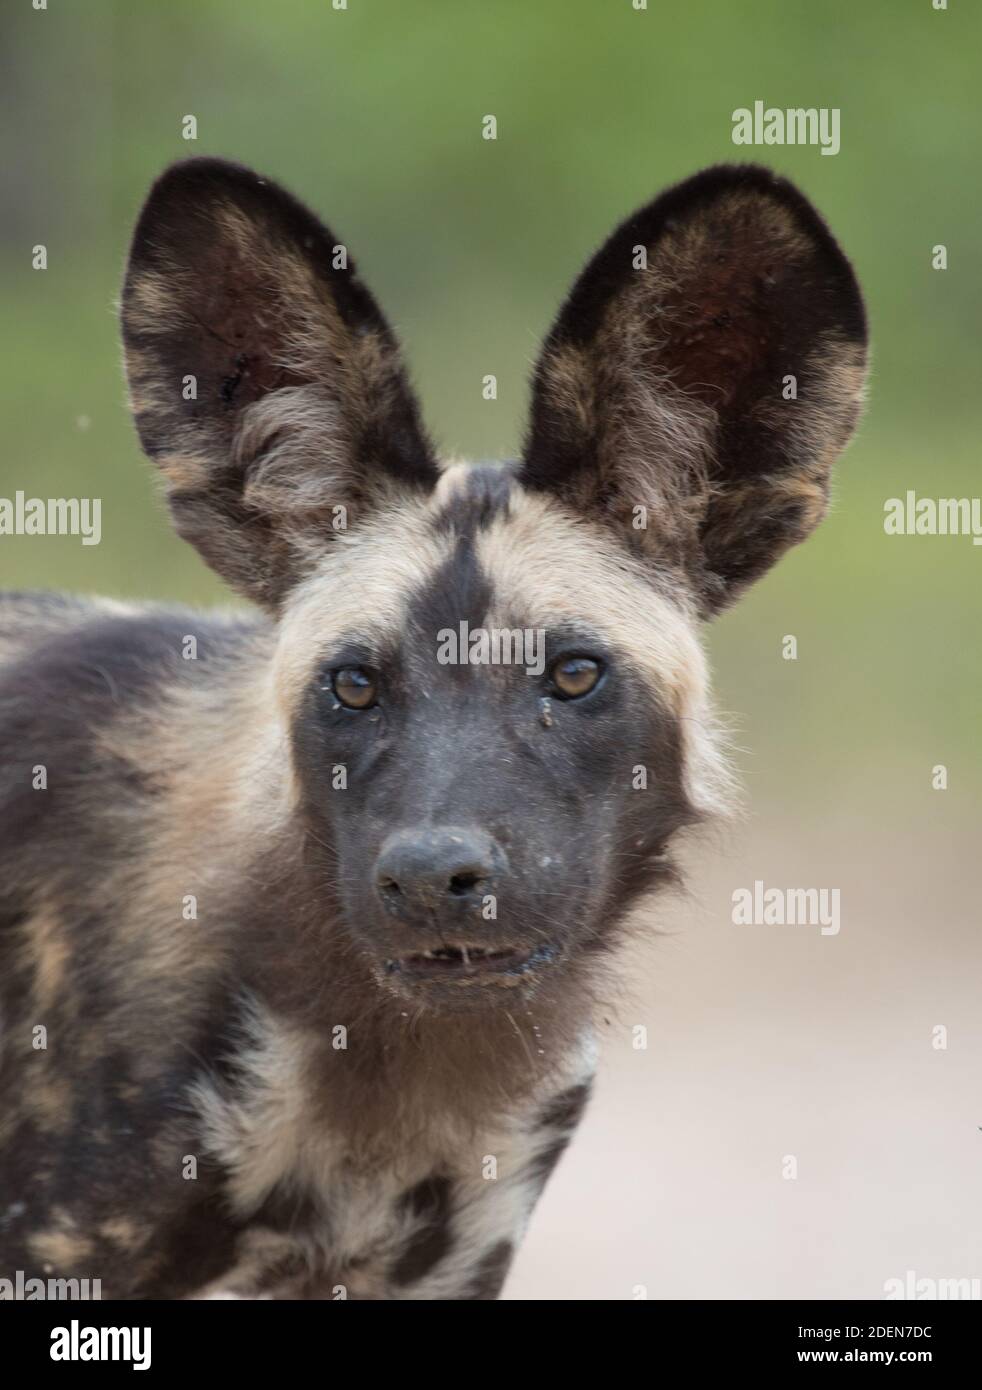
(463, 952)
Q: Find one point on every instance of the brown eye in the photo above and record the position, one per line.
(355, 687)
(573, 676)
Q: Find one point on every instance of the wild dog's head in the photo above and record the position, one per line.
(491, 678)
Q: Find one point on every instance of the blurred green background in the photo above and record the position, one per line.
(373, 116)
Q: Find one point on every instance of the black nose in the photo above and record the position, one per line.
(433, 871)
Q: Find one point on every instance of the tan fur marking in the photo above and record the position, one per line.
(49, 1102)
(61, 1246)
(124, 1232)
(47, 952)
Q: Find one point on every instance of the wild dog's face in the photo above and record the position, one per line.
(490, 679)
(494, 748)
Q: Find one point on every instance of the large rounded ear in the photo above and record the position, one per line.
(702, 377)
(265, 383)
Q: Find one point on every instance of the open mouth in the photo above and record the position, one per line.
(465, 964)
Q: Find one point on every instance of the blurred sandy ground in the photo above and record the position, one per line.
(767, 1041)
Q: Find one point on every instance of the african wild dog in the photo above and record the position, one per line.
(315, 923)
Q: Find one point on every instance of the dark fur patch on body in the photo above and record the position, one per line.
(490, 1274)
(429, 1205)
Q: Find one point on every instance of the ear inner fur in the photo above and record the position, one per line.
(265, 382)
(662, 390)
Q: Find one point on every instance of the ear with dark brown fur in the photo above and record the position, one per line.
(702, 377)
(265, 382)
